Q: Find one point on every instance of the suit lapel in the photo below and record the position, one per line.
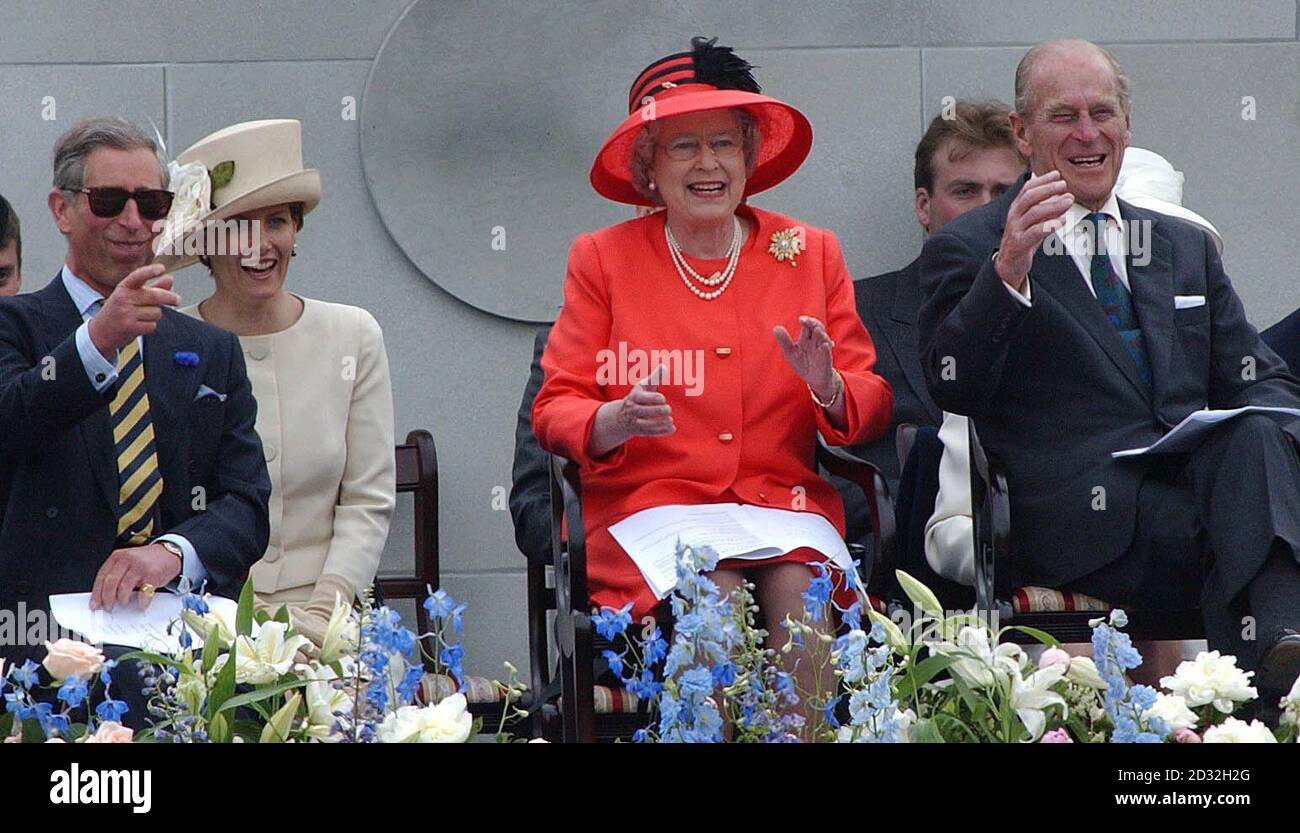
(1057, 275)
(97, 429)
(1152, 286)
(900, 329)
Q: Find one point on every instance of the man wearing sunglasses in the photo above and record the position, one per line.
(129, 460)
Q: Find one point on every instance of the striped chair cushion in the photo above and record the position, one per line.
(1044, 600)
(435, 687)
(613, 700)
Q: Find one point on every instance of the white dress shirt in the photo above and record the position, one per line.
(1077, 240)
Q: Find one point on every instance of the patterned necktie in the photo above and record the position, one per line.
(1115, 299)
(140, 481)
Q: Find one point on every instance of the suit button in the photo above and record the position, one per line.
(762, 495)
(257, 352)
(722, 352)
(100, 377)
(725, 437)
(269, 452)
(52, 512)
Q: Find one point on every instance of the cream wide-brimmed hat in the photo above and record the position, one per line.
(1148, 180)
(241, 168)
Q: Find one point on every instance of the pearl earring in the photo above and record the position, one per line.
(652, 186)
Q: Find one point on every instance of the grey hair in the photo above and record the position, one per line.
(73, 147)
(1024, 99)
(643, 152)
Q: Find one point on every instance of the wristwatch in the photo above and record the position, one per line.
(175, 550)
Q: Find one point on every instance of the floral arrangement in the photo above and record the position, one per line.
(256, 680)
(946, 678)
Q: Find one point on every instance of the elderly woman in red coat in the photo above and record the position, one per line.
(753, 318)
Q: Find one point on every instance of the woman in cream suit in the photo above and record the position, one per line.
(319, 371)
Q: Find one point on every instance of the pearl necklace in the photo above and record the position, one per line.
(686, 273)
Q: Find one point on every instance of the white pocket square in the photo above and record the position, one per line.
(1188, 301)
(205, 391)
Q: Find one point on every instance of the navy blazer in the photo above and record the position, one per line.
(1053, 390)
(888, 305)
(58, 474)
(1284, 337)
(530, 489)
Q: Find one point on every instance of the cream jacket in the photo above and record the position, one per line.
(325, 416)
(950, 532)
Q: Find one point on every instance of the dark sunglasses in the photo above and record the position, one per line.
(153, 203)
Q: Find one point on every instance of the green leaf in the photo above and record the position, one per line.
(894, 637)
(261, 617)
(211, 650)
(148, 656)
(249, 697)
(922, 673)
(925, 731)
(282, 615)
(224, 688)
(920, 595)
(219, 729)
(1042, 636)
(221, 174)
(244, 616)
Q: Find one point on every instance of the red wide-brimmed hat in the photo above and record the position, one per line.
(708, 77)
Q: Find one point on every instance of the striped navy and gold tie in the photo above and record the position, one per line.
(140, 481)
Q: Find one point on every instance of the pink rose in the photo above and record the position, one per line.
(1057, 735)
(67, 658)
(1054, 656)
(1182, 735)
(110, 732)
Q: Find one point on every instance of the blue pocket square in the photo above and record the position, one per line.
(205, 392)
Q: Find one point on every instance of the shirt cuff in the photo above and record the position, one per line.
(1025, 297)
(101, 372)
(191, 567)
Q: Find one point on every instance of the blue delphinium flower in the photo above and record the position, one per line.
(614, 659)
(654, 649)
(195, 603)
(451, 656)
(410, 683)
(111, 710)
(818, 593)
(853, 616)
(610, 623)
(1113, 654)
(26, 674)
(73, 691)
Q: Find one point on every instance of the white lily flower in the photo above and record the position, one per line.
(266, 659)
(1031, 697)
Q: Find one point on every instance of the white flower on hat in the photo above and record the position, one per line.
(1233, 730)
(1212, 678)
(193, 190)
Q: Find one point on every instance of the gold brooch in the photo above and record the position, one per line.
(786, 244)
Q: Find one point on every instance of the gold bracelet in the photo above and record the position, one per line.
(839, 386)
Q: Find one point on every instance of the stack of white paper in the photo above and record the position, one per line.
(734, 531)
(1192, 431)
(127, 625)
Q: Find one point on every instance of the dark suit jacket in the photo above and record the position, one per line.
(888, 305)
(58, 475)
(1284, 337)
(1054, 392)
(530, 490)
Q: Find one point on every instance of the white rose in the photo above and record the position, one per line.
(1290, 706)
(1233, 730)
(1211, 678)
(1172, 709)
(447, 722)
(70, 658)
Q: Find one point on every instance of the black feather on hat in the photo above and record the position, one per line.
(722, 67)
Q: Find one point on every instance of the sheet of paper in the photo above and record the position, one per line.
(1191, 432)
(745, 532)
(126, 625)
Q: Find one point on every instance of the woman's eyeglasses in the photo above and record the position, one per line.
(684, 148)
(153, 203)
